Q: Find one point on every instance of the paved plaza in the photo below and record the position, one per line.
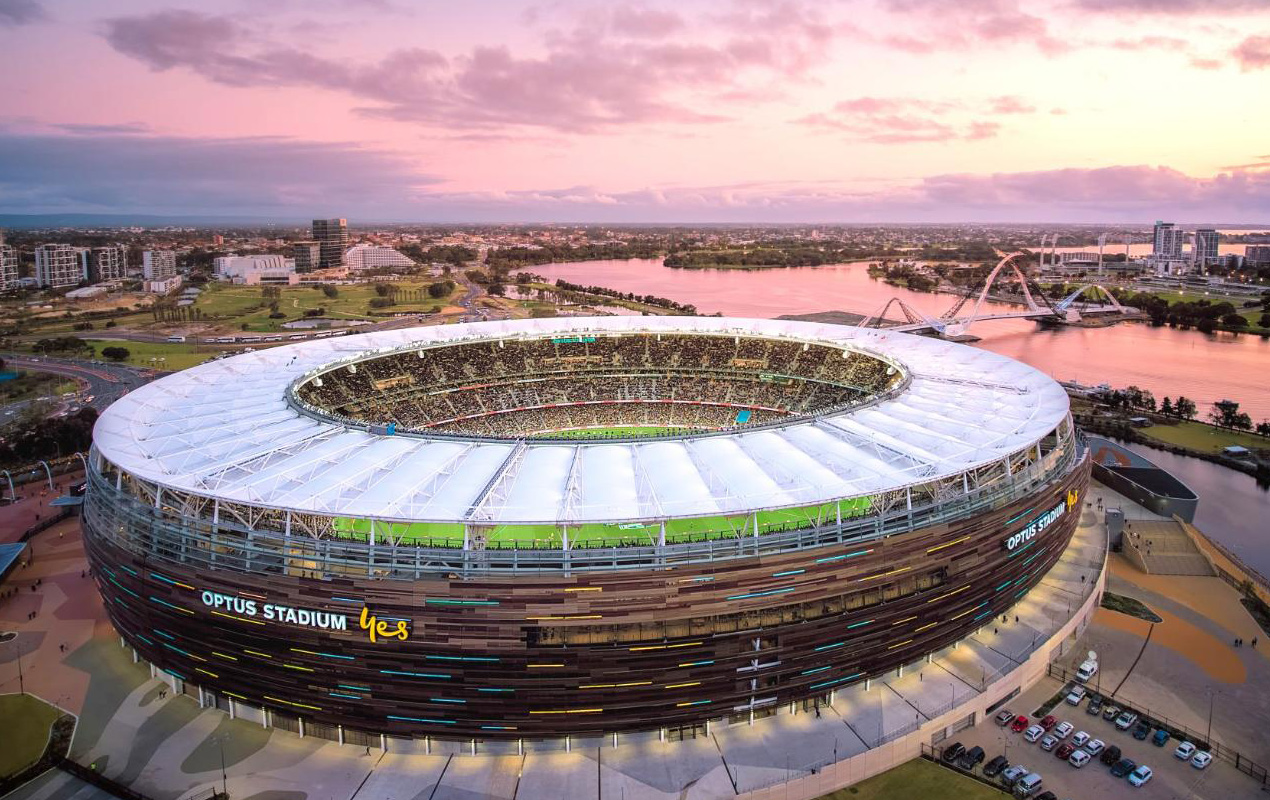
(133, 729)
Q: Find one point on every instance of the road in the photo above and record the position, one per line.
(103, 383)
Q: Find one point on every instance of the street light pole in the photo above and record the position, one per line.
(1209, 736)
(224, 780)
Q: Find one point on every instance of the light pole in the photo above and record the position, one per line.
(224, 780)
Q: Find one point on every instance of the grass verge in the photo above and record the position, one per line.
(1129, 605)
(918, 778)
(25, 732)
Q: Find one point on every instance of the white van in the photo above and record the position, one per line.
(1086, 670)
(176, 339)
(1028, 785)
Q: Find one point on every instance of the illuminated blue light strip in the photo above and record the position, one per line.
(170, 672)
(169, 605)
(814, 671)
(163, 578)
(497, 728)
(835, 681)
(444, 700)
(1002, 586)
(860, 624)
(345, 599)
(165, 635)
(1020, 516)
(345, 696)
(788, 572)
(422, 719)
(128, 570)
(697, 703)
(495, 690)
(462, 658)
(355, 688)
(828, 646)
(845, 555)
(760, 594)
(125, 588)
(145, 639)
(981, 616)
(698, 663)
(335, 655)
(177, 649)
(704, 578)
(462, 602)
(415, 674)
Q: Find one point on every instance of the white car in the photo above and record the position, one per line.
(1033, 733)
(1140, 775)
(1201, 759)
(1184, 751)
(1126, 720)
(1075, 695)
(1079, 759)
(1049, 742)
(1094, 746)
(1063, 729)
(1080, 738)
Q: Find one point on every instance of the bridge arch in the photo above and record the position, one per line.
(1091, 289)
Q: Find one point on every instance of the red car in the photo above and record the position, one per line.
(1065, 750)
(1019, 724)
(1049, 721)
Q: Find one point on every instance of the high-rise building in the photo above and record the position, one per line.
(1206, 241)
(59, 265)
(1168, 241)
(307, 255)
(8, 266)
(108, 263)
(332, 237)
(1257, 255)
(158, 264)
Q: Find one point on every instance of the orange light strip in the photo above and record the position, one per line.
(947, 544)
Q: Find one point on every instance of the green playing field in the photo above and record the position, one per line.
(692, 529)
(613, 433)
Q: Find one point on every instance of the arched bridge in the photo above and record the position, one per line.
(953, 323)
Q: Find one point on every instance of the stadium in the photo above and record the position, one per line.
(572, 527)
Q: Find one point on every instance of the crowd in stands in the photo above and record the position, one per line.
(520, 387)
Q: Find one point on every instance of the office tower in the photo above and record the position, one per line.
(58, 265)
(332, 237)
(1257, 255)
(1206, 241)
(158, 264)
(1167, 242)
(307, 255)
(8, 266)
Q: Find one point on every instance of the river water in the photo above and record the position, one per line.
(1168, 362)
(1204, 367)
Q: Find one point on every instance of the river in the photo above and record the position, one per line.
(1168, 362)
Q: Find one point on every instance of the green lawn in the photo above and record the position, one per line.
(604, 433)
(1206, 438)
(179, 356)
(918, 779)
(25, 732)
(233, 306)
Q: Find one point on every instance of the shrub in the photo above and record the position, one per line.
(116, 353)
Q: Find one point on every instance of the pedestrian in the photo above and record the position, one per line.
(1016, 617)
(994, 630)
(1082, 578)
(1254, 641)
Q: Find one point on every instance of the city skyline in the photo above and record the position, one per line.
(746, 111)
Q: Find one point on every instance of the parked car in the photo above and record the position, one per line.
(1142, 731)
(1047, 796)
(1094, 746)
(1080, 738)
(1063, 729)
(1095, 706)
(1065, 750)
(953, 752)
(1004, 717)
(1201, 759)
(1079, 759)
(1012, 774)
(1123, 767)
(1028, 785)
(1184, 751)
(971, 758)
(1110, 712)
(1075, 695)
(1140, 775)
(1126, 720)
(1049, 721)
(1160, 738)
(995, 767)
(1048, 742)
(1086, 670)
(1110, 756)
(1019, 724)
(1033, 733)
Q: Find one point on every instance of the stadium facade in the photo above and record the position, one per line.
(400, 532)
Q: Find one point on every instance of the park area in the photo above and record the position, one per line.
(246, 307)
(918, 779)
(1204, 438)
(25, 731)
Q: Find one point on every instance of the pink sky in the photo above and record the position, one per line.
(733, 110)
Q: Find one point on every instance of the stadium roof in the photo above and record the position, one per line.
(225, 430)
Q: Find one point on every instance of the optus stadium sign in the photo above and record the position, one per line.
(1038, 525)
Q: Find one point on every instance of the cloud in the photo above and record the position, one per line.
(963, 24)
(20, 12)
(44, 173)
(907, 120)
(1167, 7)
(1253, 53)
(625, 69)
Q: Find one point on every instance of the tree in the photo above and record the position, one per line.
(330, 291)
(1185, 408)
(1166, 407)
(116, 353)
(1264, 320)
(1225, 413)
(1233, 320)
(1263, 428)
(440, 289)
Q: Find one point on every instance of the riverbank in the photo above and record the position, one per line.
(1121, 429)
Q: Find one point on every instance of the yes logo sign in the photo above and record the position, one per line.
(379, 629)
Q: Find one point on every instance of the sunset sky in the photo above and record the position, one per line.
(729, 111)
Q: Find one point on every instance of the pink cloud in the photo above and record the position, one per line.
(1253, 53)
(1011, 104)
(958, 25)
(20, 12)
(906, 120)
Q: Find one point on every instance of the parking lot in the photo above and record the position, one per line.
(1173, 778)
